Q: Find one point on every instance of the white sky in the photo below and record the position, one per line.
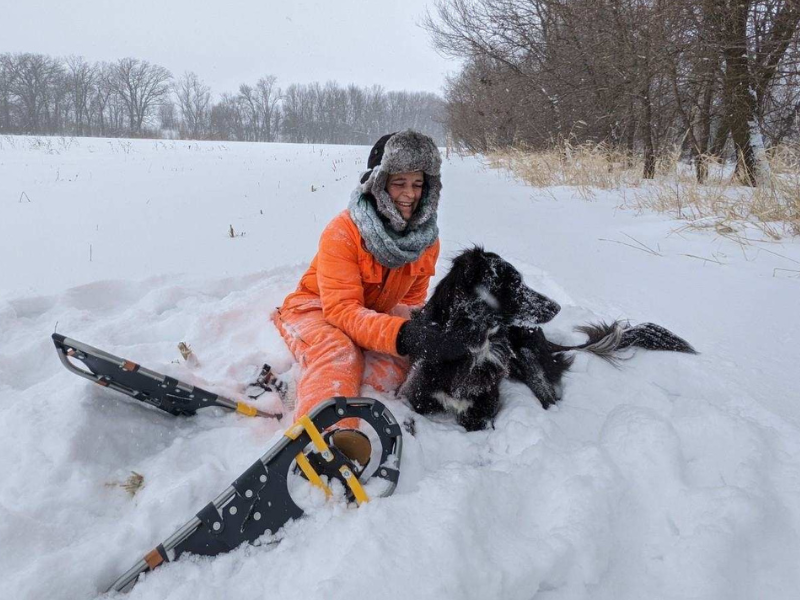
(236, 41)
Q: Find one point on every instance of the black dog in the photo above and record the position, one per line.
(484, 299)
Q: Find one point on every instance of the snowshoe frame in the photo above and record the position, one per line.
(125, 376)
(259, 500)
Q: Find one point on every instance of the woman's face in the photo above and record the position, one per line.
(405, 190)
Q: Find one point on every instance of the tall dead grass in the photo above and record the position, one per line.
(719, 203)
(586, 167)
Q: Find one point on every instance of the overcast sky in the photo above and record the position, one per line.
(236, 41)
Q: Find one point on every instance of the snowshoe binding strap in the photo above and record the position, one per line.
(125, 376)
(267, 381)
(259, 502)
(326, 460)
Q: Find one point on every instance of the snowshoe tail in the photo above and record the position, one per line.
(258, 501)
(125, 376)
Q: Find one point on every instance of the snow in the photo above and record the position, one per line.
(763, 171)
(673, 476)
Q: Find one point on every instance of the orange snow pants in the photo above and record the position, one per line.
(331, 363)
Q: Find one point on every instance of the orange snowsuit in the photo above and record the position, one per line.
(347, 302)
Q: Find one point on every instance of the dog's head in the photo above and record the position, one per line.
(482, 281)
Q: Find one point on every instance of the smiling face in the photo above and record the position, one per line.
(405, 190)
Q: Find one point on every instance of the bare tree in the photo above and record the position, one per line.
(6, 73)
(754, 38)
(269, 95)
(40, 94)
(166, 116)
(356, 106)
(260, 103)
(31, 78)
(373, 112)
(81, 79)
(228, 120)
(639, 75)
(102, 100)
(194, 100)
(141, 86)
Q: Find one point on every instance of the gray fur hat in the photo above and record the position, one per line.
(404, 152)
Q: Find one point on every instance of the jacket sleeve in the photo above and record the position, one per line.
(342, 294)
(418, 292)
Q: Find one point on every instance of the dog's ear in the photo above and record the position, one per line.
(437, 309)
(458, 281)
(470, 267)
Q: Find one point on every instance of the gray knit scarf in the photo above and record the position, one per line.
(390, 248)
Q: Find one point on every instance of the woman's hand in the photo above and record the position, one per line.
(428, 340)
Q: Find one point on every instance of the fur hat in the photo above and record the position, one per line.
(404, 152)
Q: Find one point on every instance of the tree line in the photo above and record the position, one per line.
(45, 95)
(715, 77)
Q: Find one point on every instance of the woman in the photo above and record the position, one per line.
(348, 321)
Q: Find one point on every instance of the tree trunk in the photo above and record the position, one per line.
(647, 133)
(751, 159)
(704, 121)
(720, 138)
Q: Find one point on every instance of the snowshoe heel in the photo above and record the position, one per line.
(353, 444)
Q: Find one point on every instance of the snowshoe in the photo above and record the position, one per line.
(163, 392)
(259, 500)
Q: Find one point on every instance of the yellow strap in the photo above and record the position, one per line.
(304, 423)
(246, 409)
(296, 429)
(309, 471)
(354, 484)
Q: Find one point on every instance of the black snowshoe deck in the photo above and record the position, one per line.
(158, 390)
(259, 501)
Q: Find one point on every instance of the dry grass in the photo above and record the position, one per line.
(132, 484)
(720, 203)
(586, 167)
(724, 205)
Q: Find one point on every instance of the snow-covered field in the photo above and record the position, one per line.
(671, 477)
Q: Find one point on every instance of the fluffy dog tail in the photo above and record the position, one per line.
(605, 339)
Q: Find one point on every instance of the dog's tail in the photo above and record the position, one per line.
(605, 339)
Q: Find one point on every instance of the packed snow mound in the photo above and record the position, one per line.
(672, 476)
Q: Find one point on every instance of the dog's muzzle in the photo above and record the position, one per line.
(536, 308)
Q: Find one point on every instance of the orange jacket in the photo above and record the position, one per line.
(355, 291)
